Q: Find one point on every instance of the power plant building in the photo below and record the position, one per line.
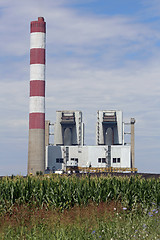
(68, 151)
(68, 129)
(109, 151)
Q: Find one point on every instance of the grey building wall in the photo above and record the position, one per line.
(88, 156)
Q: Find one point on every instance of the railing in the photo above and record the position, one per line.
(101, 170)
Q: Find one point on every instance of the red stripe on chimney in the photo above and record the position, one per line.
(37, 121)
(37, 88)
(37, 56)
(38, 26)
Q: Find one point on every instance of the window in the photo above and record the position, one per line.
(116, 160)
(74, 159)
(101, 160)
(59, 160)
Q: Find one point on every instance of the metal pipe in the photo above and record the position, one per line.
(132, 143)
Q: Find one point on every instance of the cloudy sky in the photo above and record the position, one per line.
(101, 55)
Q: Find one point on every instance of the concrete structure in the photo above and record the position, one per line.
(109, 127)
(60, 157)
(132, 143)
(47, 132)
(68, 151)
(69, 128)
(36, 148)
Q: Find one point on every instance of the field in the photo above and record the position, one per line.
(70, 207)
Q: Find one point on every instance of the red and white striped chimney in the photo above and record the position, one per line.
(36, 148)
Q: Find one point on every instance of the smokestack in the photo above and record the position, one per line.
(36, 148)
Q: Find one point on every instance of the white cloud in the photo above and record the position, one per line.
(93, 63)
(151, 7)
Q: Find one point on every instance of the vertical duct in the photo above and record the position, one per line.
(109, 136)
(132, 143)
(67, 141)
(36, 148)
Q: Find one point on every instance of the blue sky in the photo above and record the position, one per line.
(101, 55)
(107, 8)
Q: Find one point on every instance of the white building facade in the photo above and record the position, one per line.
(69, 152)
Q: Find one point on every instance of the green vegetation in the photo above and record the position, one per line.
(61, 207)
(65, 192)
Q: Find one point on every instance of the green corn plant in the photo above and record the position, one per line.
(65, 192)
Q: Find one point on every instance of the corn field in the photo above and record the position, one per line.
(63, 192)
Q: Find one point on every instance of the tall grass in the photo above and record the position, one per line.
(103, 221)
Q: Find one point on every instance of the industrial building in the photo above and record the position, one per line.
(68, 151)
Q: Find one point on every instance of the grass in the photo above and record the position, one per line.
(103, 221)
(61, 207)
